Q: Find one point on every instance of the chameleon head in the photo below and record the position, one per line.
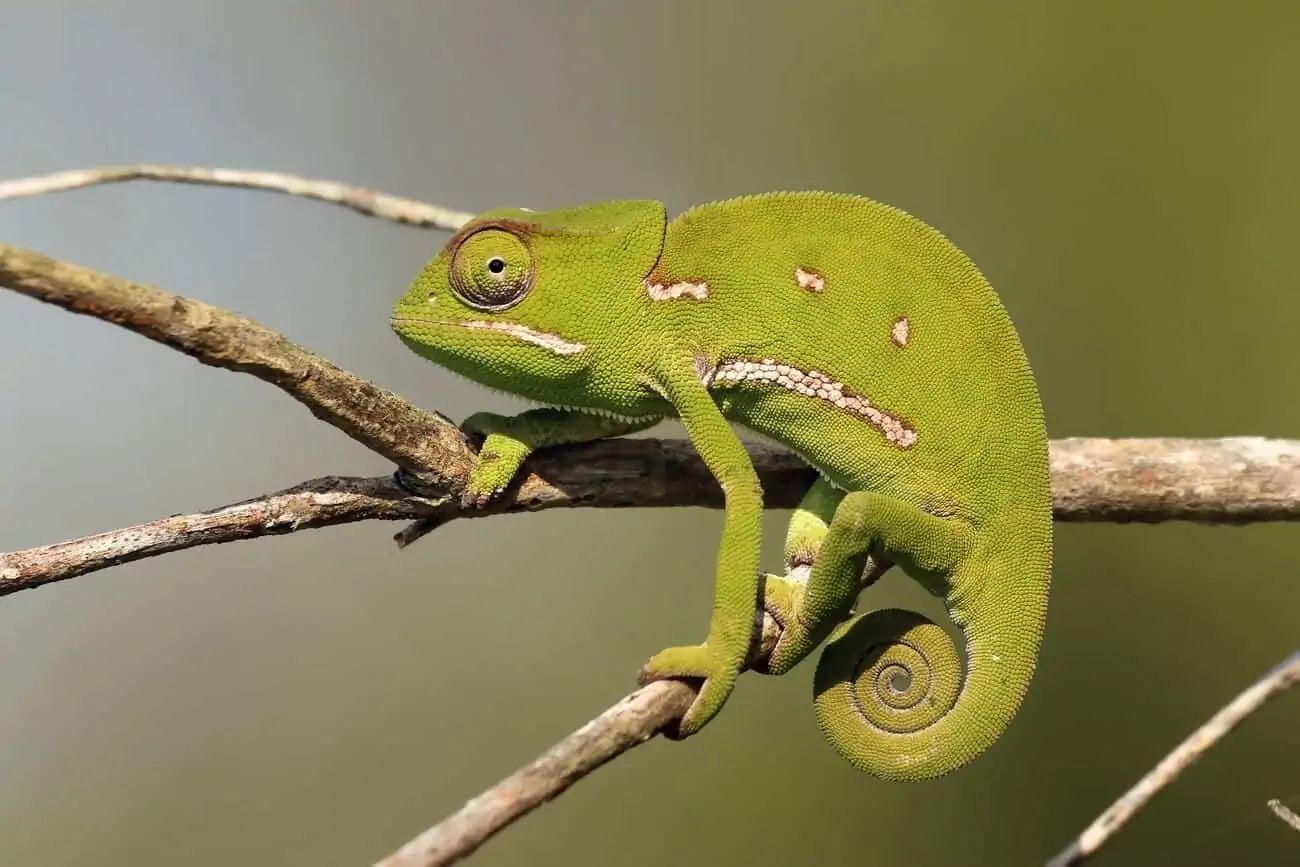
(536, 303)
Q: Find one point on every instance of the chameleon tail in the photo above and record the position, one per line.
(890, 695)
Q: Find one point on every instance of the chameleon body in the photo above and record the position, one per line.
(845, 329)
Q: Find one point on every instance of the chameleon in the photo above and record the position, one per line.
(847, 331)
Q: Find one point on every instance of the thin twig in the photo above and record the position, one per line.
(629, 723)
(318, 503)
(360, 199)
(1284, 675)
(1285, 813)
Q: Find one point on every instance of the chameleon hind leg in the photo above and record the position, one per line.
(807, 611)
(885, 673)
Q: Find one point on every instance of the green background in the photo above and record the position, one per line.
(1123, 172)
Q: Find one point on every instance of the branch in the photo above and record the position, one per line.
(1286, 674)
(1285, 813)
(629, 723)
(376, 418)
(317, 503)
(360, 199)
(632, 721)
(1231, 480)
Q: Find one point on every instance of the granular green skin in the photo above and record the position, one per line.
(845, 329)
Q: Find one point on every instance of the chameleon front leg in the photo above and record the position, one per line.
(509, 440)
(721, 658)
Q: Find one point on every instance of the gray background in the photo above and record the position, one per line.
(1125, 174)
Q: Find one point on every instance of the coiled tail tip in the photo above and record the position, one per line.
(890, 695)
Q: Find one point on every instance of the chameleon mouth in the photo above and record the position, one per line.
(552, 342)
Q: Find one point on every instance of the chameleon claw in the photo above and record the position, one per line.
(491, 475)
(471, 500)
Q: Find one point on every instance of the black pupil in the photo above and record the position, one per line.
(496, 265)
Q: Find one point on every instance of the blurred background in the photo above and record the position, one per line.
(1124, 173)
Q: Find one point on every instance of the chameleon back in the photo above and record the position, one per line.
(877, 302)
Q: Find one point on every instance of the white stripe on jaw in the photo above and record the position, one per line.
(553, 342)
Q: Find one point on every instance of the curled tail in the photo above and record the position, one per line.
(890, 693)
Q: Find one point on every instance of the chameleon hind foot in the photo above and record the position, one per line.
(784, 600)
(831, 574)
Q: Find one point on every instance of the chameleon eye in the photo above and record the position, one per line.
(491, 270)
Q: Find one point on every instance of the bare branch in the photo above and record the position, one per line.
(633, 720)
(1232, 480)
(360, 199)
(374, 417)
(1214, 481)
(1285, 813)
(1283, 676)
(629, 723)
(317, 503)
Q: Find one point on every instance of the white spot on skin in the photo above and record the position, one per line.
(799, 574)
(695, 290)
(809, 279)
(901, 331)
(553, 342)
(815, 384)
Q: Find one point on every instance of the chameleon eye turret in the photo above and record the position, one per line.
(492, 270)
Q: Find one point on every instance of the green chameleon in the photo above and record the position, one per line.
(844, 329)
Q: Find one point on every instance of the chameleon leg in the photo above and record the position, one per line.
(511, 439)
(806, 608)
(889, 690)
(720, 659)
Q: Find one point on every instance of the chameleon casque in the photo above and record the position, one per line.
(847, 330)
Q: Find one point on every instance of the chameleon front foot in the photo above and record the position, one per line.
(694, 662)
(498, 461)
(509, 440)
